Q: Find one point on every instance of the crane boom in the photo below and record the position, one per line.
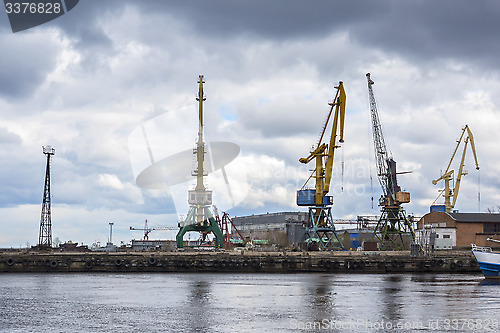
(339, 116)
(379, 146)
(386, 166)
(324, 153)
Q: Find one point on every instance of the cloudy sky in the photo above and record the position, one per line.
(111, 77)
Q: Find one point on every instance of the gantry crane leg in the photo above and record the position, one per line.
(208, 226)
(391, 229)
(320, 227)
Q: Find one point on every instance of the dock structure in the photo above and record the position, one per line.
(239, 261)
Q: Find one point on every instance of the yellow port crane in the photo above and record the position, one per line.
(320, 226)
(451, 192)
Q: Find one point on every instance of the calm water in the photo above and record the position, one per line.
(247, 303)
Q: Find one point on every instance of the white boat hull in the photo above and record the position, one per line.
(488, 261)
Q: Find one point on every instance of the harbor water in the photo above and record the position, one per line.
(201, 302)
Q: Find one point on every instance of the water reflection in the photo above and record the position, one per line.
(199, 300)
(321, 289)
(391, 292)
(239, 302)
(489, 282)
(199, 292)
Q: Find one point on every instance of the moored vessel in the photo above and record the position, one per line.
(488, 260)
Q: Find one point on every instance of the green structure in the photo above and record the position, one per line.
(200, 218)
(394, 230)
(209, 225)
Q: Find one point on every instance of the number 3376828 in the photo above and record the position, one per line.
(33, 8)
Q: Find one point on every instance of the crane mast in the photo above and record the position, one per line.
(451, 192)
(199, 217)
(393, 223)
(320, 228)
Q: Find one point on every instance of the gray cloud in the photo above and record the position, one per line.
(424, 31)
(417, 30)
(25, 64)
(85, 81)
(9, 138)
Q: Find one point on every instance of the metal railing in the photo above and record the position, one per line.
(481, 248)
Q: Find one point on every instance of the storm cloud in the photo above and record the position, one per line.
(99, 80)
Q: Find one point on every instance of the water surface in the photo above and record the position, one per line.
(248, 303)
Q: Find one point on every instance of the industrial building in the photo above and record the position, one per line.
(261, 226)
(292, 224)
(460, 230)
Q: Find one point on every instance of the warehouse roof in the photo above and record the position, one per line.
(476, 217)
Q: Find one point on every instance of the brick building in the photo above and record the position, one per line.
(460, 230)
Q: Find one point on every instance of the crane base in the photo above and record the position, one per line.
(208, 226)
(393, 231)
(320, 229)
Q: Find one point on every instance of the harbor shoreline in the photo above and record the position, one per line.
(238, 261)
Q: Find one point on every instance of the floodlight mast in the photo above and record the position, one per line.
(45, 235)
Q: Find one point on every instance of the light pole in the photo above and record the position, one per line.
(111, 232)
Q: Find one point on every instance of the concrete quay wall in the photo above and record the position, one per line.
(238, 261)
